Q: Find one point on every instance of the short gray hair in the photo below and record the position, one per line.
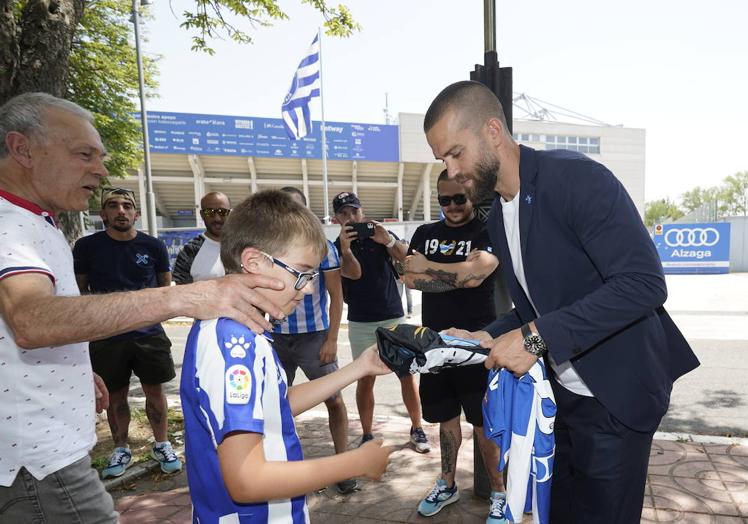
(25, 114)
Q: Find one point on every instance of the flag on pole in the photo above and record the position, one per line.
(304, 86)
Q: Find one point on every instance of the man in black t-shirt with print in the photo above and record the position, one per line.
(452, 263)
(121, 258)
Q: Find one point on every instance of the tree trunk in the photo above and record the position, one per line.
(8, 48)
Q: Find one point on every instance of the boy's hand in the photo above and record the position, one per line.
(371, 363)
(377, 457)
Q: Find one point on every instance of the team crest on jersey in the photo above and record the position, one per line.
(238, 381)
(447, 248)
(238, 347)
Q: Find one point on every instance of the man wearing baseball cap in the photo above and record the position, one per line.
(121, 258)
(370, 290)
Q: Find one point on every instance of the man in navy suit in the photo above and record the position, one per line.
(588, 289)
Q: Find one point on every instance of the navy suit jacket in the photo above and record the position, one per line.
(597, 282)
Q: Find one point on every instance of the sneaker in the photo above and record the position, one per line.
(366, 438)
(419, 440)
(347, 487)
(119, 460)
(496, 513)
(165, 455)
(440, 496)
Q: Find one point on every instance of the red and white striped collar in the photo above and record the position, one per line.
(30, 206)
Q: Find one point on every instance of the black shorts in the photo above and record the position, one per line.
(444, 394)
(149, 357)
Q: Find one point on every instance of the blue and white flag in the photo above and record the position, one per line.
(518, 414)
(304, 86)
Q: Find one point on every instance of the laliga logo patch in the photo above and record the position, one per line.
(238, 347)
(237, 384)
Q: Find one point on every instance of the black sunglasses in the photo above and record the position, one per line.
(458, 199)
(209, 212)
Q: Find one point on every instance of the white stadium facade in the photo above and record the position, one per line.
(390, 167)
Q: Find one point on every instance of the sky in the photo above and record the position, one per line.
(674, 68)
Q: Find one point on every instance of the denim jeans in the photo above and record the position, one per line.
(72, 495)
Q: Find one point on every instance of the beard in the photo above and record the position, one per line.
(485, 176)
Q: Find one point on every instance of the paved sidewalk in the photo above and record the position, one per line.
(689, 482)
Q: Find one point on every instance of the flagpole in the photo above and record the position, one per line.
(325, 195)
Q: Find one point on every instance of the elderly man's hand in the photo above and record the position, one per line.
(233, 296)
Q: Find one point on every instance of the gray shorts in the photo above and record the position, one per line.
(301, 350)
(362, 334)
(72, 495)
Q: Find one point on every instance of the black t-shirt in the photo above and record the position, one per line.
(374, 296)
(466, 308)
(121, 265)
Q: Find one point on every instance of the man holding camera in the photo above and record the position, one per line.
(369, 288)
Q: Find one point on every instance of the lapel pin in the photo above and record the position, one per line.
(528, 199)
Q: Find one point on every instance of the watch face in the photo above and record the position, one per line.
(535, 345)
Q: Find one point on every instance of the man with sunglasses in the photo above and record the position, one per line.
(452, 263)
(200, 258)
(121, 258)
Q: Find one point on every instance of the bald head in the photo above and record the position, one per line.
(215, 199)
(472, 101)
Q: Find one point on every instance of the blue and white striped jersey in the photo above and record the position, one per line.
(518, 414)
(232, 381)
(312, 313)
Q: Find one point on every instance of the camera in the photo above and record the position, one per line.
(363, 229)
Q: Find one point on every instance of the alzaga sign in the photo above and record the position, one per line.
(693, 248)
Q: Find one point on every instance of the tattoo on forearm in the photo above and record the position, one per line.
(448, 445)
(432, 286)
(443, 276)
(468, 278)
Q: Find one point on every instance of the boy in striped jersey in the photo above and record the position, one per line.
(244, 458)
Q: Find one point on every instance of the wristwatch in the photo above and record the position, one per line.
(534, 343)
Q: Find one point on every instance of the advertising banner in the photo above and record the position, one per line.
(693, 248)
(187, 133)
(175, 239)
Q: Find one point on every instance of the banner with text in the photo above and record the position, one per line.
(693, 248)
(186, 133)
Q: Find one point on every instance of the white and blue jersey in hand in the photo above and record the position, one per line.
(232, 381)
(312, 313)
(518, 414)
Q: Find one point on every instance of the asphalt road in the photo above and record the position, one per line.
(712, 312)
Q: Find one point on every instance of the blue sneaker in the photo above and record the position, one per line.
(165, 455)
(440, 496)
(119, 460)
(496, 513)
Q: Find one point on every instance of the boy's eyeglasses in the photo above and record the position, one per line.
(458, 199)
(210, 212)
(302, 277)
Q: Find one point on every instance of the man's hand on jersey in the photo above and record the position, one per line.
(376, 458)
(508, 351)
(328, 352)
(415, 262)
(470, 335)
(101, 393)
(233, 296)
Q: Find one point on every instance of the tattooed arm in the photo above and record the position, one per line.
(432, 277)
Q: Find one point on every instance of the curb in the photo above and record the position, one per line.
(137, 471)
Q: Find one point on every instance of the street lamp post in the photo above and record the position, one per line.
(150, 200)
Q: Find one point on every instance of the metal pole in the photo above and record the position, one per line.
(150, 200)
(489, 25)
(325, 195)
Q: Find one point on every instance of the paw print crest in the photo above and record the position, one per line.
(238, 347)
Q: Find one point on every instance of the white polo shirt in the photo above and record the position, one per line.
(47, 403)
